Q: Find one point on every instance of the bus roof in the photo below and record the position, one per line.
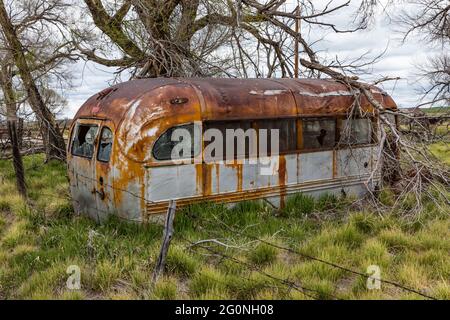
(228, 98)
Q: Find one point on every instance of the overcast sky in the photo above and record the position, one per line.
(399, 60)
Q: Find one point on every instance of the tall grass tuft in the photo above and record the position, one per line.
(262, 254)
(300, 205)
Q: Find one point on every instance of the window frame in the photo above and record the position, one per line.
(191, 158)
(373, 137)
(301, 144)
(99, 142)
(337, 118)
(75, 135)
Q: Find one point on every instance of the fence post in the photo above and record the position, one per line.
(168, 233)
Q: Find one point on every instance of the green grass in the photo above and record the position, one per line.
(40, 239)
(436, 110)
(442, 151)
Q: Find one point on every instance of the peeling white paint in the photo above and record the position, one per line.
(327, 94)
(128, 125)
(272, 92)
(149, 132)
(157, 111)
(378, 91)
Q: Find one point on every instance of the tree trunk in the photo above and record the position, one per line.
(53, 139)
(20, 132)
(17, 158)
(11, 113)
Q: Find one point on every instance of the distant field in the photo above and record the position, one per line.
(39, 241)
(436, 110)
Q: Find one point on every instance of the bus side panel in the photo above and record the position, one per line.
(249, 175)
(315, 166)
(354, 162)
(292, 169)
(268, 172)
(173, 182)
(229, 179)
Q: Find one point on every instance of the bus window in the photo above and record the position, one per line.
(319, 133)
(105, 145)
(287, 131)
(83, 143)
(178, 142)
(241, 148)
(356, 131)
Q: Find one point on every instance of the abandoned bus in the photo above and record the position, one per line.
(121, 143)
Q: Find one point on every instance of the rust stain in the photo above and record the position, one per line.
(282, 179)
(206, 171)
(237, 166)
(299, 134)
(161, 207)
(239, 176)
(217, 167)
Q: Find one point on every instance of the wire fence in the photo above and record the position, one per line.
(316, 259)
(328, 263)
(290, 284)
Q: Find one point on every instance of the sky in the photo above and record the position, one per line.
(399, 60)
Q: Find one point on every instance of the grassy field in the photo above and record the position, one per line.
(442, 151)
(436, 110)
(40, 240)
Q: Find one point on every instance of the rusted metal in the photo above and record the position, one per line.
(133, 184)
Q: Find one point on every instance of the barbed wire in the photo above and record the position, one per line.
(284, 283)
(331, 264)
(302, 289)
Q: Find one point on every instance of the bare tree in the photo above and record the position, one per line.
(199, 37)
(6, 83)
(437, 73)
(428, 20)
(29, 30)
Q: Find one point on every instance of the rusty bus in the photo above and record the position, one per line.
(118, 147)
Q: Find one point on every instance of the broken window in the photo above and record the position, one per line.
(356, 131)
(319, 133)
(180, 142)
(105, 145)
(83, 143)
